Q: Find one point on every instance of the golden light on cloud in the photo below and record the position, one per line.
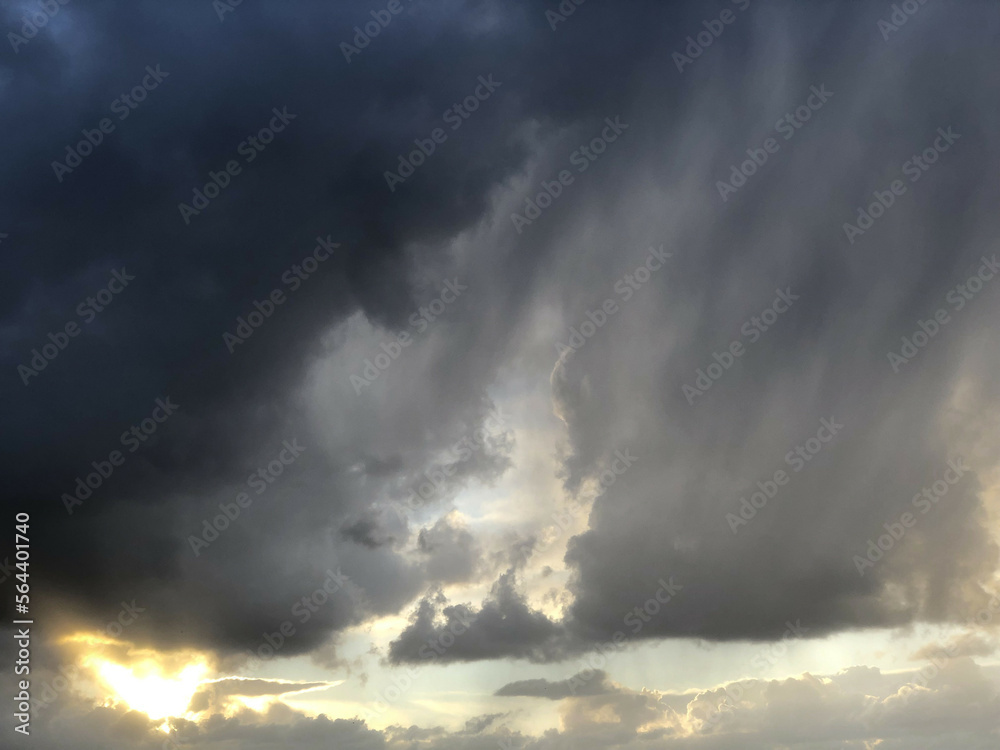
(144, 689)
(159, 685)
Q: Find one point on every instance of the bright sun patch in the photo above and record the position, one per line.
(145, 689)
(158, 685)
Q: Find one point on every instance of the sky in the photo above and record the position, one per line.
(481, 375)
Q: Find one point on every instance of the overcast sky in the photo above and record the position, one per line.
(503, 374)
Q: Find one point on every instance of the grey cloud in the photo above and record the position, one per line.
(667, 515)
(452, 552)
(323, 177)
(478, 724)
(958, 707)
(504, 626)
(594, 684)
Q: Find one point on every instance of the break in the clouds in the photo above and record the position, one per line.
(354, 351)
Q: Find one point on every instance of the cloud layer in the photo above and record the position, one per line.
(650, 338)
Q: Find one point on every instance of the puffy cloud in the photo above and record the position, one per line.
(958, 705)
(504, 626)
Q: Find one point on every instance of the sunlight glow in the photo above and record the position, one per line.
(160, 685)
(144, 689)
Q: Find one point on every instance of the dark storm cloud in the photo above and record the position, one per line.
(823, 359)
(322, 178)
(326, 522)
(812, 392)
(319, 182)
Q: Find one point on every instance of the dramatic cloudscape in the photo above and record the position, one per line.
(500, 374)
